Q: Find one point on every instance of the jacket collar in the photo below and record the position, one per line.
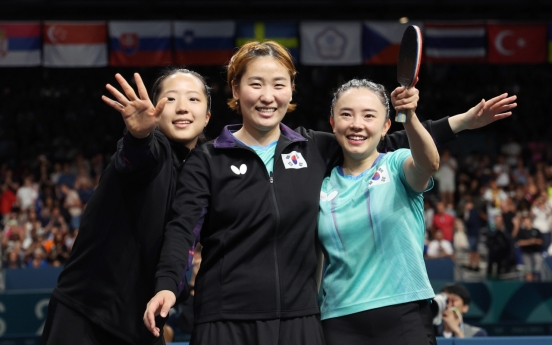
(227, 140)
(180, 150)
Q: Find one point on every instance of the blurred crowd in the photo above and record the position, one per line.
(41, 207)
(491, 199)
(499, 206)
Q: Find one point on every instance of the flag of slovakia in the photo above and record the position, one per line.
(140, 43)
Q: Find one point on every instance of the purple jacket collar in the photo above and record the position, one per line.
(226, 139)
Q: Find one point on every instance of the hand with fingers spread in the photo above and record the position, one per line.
(160, 304)
(405, 99)
(138, 112)
(484, 113)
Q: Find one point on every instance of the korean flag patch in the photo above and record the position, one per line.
(381, 176)
(294, 160)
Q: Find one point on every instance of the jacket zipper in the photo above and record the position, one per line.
(275, 246)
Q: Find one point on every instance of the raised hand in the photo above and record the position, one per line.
(160, 304)
(405, 99)
(484, 113)
(139, 114)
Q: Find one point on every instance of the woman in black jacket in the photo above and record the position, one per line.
(254, 193)
(109, 278)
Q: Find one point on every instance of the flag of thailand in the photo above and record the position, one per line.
(455, 42)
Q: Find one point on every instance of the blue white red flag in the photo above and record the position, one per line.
(20, 44)
(381, 41)
(140, 43)
(455, 42)
(203, 43)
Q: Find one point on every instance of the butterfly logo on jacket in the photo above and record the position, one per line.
(239, 171)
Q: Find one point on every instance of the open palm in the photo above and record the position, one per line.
(139, 114)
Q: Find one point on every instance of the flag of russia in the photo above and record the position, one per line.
(203, 43)
(140, 43)
(20, 44)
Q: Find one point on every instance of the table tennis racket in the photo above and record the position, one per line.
(410, 57)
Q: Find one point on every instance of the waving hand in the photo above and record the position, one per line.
(138, 112)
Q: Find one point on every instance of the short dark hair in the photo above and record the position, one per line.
(458, 290)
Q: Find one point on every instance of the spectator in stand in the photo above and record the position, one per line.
(38, 260)
(439, 247)
(529, 239)
(484, 171)
(13, 261)
(472, 225)
(73, 204)
(67, 176)
(59, 252)
(542, 217)
(56, 174)
(453, 324)
(84, 185)
(520, 173)
(511, 150)
(8, 197)
(446, 176)
(46, 210)
(494, 196)
(443, 221)
(27, 193)
(500, 248)
(511, 222)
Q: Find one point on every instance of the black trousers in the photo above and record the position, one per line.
(297, 331)
(405, 324)
(64, 326)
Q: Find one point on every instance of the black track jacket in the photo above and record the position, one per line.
(110, 274)
(259, 231)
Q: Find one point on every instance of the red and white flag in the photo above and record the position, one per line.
(517, 43)
(75, 44)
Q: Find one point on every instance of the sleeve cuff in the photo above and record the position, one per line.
(166, 283)
(133, 141)
(442, 132)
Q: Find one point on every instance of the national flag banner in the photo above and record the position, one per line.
(331, 43)
(20, 44)
(75, 44)
(381, 41)
(203, 43)
(517, 43)
(143, 43)
(550, 42)
(455, 42)
(285, 33)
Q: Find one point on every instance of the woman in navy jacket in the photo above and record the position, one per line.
(254, 192)
(109, 277)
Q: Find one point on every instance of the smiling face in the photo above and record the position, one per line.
(264, 93)
(185, 113)
(359, 122)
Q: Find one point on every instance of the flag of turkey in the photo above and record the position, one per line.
(517, 43)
